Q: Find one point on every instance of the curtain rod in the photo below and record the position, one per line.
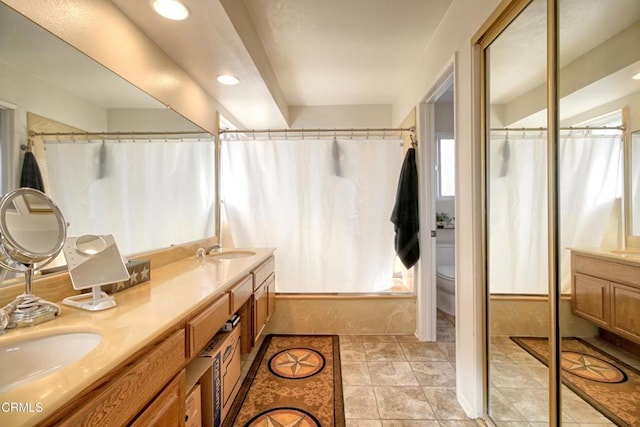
(523, 129)
(72, 134)
(336, 130)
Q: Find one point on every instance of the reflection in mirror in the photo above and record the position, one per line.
(126, 173)
(634, 184)
(517, 228)
(598, 56)
(29, 240)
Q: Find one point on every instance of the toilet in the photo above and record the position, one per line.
(446, 277)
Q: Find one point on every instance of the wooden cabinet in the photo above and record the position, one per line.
(205, 325)
(150, 388)
(240, 293)
(607, 292)
(271, 295)
(625, 306)
(127, 394)
(263, 297)
(260, 311)
(591, 298)
(168, 409)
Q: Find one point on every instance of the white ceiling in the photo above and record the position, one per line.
(295, 53)
(314, 53)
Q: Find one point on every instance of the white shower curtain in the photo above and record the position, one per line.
(324, 206)
(148, 194)
(590, 179)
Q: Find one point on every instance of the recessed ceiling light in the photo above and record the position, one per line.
(636, 77)
(228, 79)
(170, 9)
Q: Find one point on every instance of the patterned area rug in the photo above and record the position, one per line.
(295, 380)
(606, 383)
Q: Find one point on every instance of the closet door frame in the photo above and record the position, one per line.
(506, 12)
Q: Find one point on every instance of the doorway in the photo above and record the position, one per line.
(437, 166)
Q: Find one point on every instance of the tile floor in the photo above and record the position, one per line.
(519, 389)
(397, 381)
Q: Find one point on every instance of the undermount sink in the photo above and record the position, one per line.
(31, 359)
(232, 254)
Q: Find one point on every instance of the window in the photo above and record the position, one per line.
(445, 167)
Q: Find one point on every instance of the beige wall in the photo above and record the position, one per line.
(452, 41)
(530, 317)
(375, 315)
(408, 122)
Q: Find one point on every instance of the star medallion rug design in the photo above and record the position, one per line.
(295, 380)
(606, 383)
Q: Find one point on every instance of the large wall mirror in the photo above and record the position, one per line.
(150, 181)
(598, 102)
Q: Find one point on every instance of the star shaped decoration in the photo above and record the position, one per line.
(296, 363)
(119, 286)
(273, 422)
(144, 274)
(134, 277)
(584, 363)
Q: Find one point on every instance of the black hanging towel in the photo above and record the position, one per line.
(30, 175)
(405, 212)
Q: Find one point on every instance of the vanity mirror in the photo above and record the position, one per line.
(29, 239)
(49, 87)
(93, 261)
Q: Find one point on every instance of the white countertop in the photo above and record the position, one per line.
(143, 313)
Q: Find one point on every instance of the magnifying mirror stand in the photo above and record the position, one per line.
(96, 300)
(28, 309)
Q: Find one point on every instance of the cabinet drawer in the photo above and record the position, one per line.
(616, 272)
(263, 271)
(591, 298)
(166, 410)
(625, 306)
(204, 326)
(240, 294)
(125, 396)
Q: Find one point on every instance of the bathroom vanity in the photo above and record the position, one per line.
(142, 370)
(605, 289)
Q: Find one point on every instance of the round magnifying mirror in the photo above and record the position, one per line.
(32, 228)
(90, 244)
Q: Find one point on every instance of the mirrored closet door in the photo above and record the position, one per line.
(516, 217)
(562, 263)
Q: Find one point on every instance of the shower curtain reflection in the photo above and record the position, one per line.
(590, 183)
(147, 193)
(324, 204)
